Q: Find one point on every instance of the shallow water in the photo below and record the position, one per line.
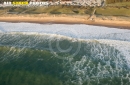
(63, 54)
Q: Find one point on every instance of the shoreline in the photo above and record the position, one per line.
(66, 19)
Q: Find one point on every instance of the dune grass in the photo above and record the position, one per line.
(113, 11)
(119, 4)
(122, 9)
(50, 10)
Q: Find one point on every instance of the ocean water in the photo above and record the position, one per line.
(61, 54)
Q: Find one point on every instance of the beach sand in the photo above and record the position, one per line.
(65, 19)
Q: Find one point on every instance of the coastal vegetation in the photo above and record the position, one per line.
(118, 9)
(116, 1)
(112, 8)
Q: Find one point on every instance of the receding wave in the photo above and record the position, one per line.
(58, 58)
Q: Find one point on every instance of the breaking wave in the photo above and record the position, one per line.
(70, 54)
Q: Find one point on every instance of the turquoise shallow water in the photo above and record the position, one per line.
(45, 57)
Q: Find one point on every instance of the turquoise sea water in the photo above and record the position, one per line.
(51, 54)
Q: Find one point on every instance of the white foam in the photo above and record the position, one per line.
(118, 38)
(76, 31)
(122, 46)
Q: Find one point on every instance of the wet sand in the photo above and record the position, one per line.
(66, 20)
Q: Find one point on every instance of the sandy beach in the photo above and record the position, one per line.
(66, 19)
